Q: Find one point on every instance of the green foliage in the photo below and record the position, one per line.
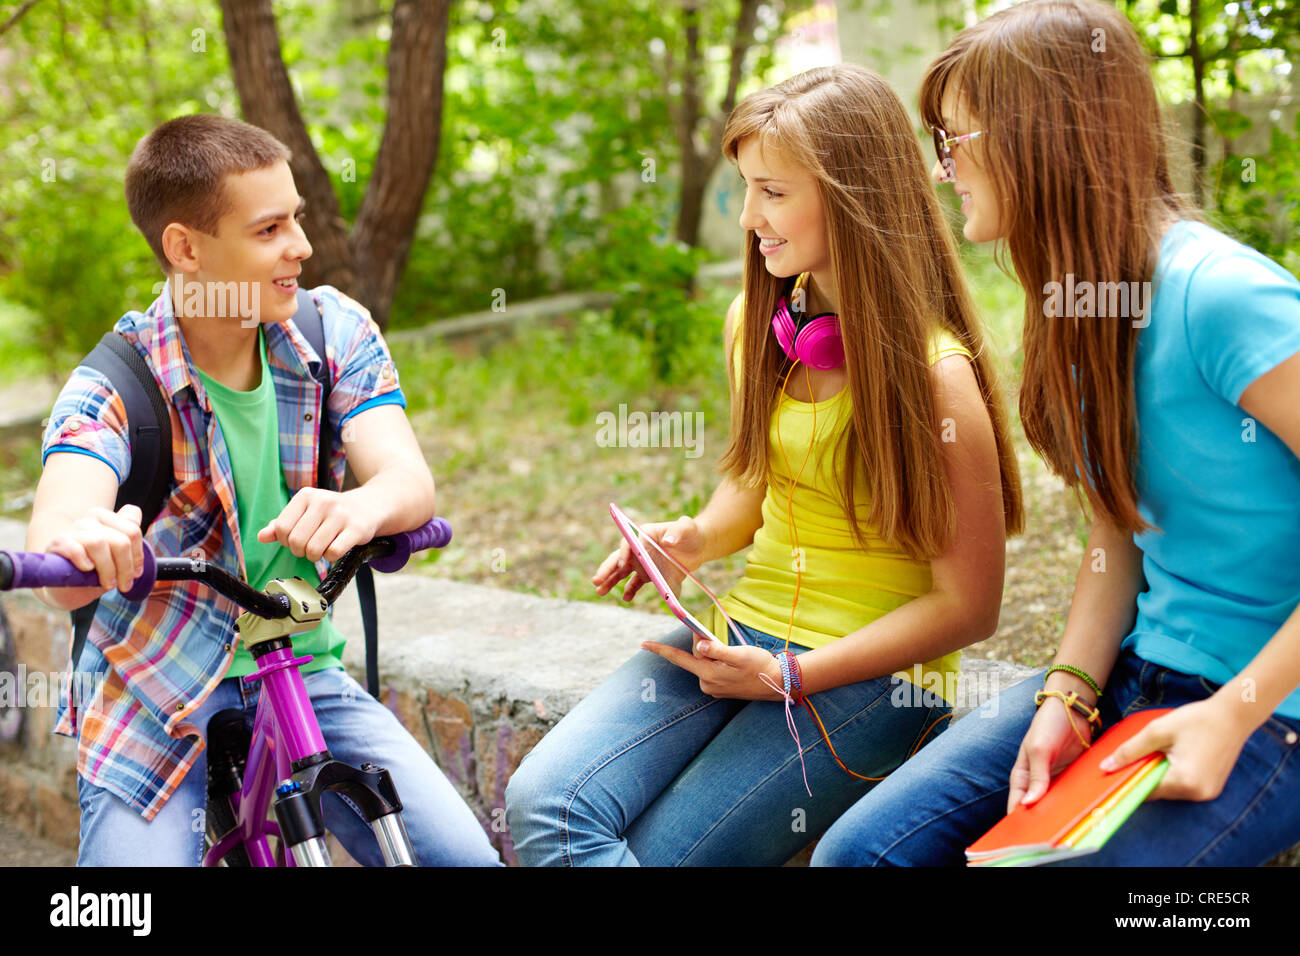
(653, 278)
(21, 353)
(1000, 302)
(548, 117)
(551, 112)
(1259, 198)
(553, 115)
(1248, 52)
(79, 87)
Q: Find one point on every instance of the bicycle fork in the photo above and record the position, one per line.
(370, 789)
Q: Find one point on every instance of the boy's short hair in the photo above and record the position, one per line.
(177, 173)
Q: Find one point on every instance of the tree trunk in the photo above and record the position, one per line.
(1232, 54)
(691, 193)
(697, 168)
(408, 152)
(268, 101)
(368, 264)
(1198, 111)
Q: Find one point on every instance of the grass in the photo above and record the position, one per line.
(511, 429)
(22, 362)
(1041, 563)
(21, 357)
(513, 433)
(20, 469)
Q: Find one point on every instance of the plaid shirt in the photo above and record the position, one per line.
(160, 660)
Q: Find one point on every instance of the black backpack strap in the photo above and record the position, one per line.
(308, 320)
(312, 327)
(149, 434)
(370, 624)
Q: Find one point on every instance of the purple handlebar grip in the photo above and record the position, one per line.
(435, 534)
(44, 570)
(144, 583)
(37, 570)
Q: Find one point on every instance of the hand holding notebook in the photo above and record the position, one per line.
(1081, 810)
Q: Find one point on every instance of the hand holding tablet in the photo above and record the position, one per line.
(656, 567)
(687, 547)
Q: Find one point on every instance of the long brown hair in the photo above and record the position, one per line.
(1074, 143)
(897, 278)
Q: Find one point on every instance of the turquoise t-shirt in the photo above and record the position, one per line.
(1223, 570)
(252, 435)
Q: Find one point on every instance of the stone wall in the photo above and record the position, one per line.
(38, 781)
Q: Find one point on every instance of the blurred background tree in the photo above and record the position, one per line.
(544, 146)
(555, 124)
(368, 259)
(572, 153)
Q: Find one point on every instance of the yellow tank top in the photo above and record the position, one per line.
(843, 587)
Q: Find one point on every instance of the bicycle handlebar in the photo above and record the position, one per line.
(29, 569)
(388, 553)
(435, 533)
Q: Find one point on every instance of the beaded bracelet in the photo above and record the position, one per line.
(1077, 672)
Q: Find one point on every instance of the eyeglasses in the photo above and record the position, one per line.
(943, 144)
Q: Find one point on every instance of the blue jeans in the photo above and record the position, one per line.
(954, 791)
(650, 770)
(356, 727)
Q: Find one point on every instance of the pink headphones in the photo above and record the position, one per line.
(814, 341)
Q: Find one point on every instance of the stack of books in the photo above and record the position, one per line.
(1082, 808)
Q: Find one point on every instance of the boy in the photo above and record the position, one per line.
(217, 203)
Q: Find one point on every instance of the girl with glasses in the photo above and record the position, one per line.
(1162, 381)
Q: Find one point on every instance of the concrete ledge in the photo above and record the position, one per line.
(476, 323)
(479, 674)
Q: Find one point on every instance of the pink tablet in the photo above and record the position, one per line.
(632, 533)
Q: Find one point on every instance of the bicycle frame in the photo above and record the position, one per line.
(288, 747)
(283, 704)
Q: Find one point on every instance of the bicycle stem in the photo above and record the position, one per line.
(283, 686)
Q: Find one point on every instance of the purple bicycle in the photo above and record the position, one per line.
(283, 763)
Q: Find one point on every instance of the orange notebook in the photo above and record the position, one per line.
(1081, 794)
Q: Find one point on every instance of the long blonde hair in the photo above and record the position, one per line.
(1074, 144)
(897, 277)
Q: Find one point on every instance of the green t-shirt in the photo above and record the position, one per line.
(252, 432)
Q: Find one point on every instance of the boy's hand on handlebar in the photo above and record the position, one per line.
(683, 539)
(317, 523)
(107, 542)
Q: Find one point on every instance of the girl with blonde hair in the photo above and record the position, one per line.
(869, 466)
